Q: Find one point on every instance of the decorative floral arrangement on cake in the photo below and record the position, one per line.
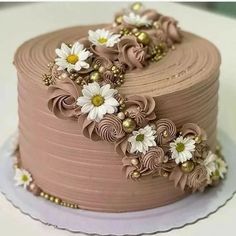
(83, 86)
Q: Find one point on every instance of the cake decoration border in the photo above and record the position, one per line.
(83, 86)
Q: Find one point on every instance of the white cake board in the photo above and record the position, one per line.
(163, 219)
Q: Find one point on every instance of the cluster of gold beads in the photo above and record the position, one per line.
(158, 52)
(47, 79)
(57, 200)
(142, 37)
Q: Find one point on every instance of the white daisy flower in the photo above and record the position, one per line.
(182, 149)
(142, 139)
(103, 37)
(221, 167)
(97, 101)
(72, 58)
(22, 177)
(137, 20)
(210, 163)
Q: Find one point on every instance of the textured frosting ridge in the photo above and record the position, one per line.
(63, 162)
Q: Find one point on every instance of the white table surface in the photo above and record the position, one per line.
(22, 22)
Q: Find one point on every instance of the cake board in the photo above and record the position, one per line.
(163, 219)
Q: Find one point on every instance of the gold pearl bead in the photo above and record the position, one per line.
(95, 66)
(42, 194)
(165, 134)
(101, 69)
(143, 38)
(121, 115)
(119, 19)
(187, 166)
(95, 76)
(51, 199)
(135, 174)
(46, 196)
(136, 6)
(198, 139)
(57, 200)
(128, 125)
(165, 174)
(134, 161)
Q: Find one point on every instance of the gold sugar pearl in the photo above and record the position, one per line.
(51, 199)
(136, 174)
(57, 200)
(187, 166)
(165, 134)
(143, 38)
(42, 194)
(134, 161)
(95, 76)
(119, 19)
(165, 174)
(136, 6)
(46, 196)
(198, 139)
(121, 115)
(101, 69)
(128, 125)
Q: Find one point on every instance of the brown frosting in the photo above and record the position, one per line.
(105, 52)
(169, 26)
(110, 128)
(194, 130)
(154, 160)
(151, 14)
(131, 53)
(64, 163)
(197, 179)
(141, 109)
(166, 131)
(62, 99)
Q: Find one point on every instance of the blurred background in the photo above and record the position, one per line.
(225, 8)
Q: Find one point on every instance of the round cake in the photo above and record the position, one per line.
(73, 170)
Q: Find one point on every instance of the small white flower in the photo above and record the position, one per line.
(182, 149)
(103, 37)
(137, 20)
(142, 139)
(221, 167)
(210, 163)
(97, 101)
(72, 58)
(22, 177)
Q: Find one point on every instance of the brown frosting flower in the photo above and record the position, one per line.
(201, 151)
(89, 127)
(131, 53)
(140, 108)
(154, 161)
(172, 31)
(62, 99)
(109, 53)
(151, 14)
(197, 179)
(191, 129)
(110, 128)
(166, 131)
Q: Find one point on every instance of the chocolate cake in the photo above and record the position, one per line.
(119, 117)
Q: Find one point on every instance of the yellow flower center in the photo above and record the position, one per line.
(180, 147)
(102, 40)
(140, 137)
(72, 59)
(97, 100)
(24, 178)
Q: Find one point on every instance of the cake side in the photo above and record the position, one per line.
(64, 163)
